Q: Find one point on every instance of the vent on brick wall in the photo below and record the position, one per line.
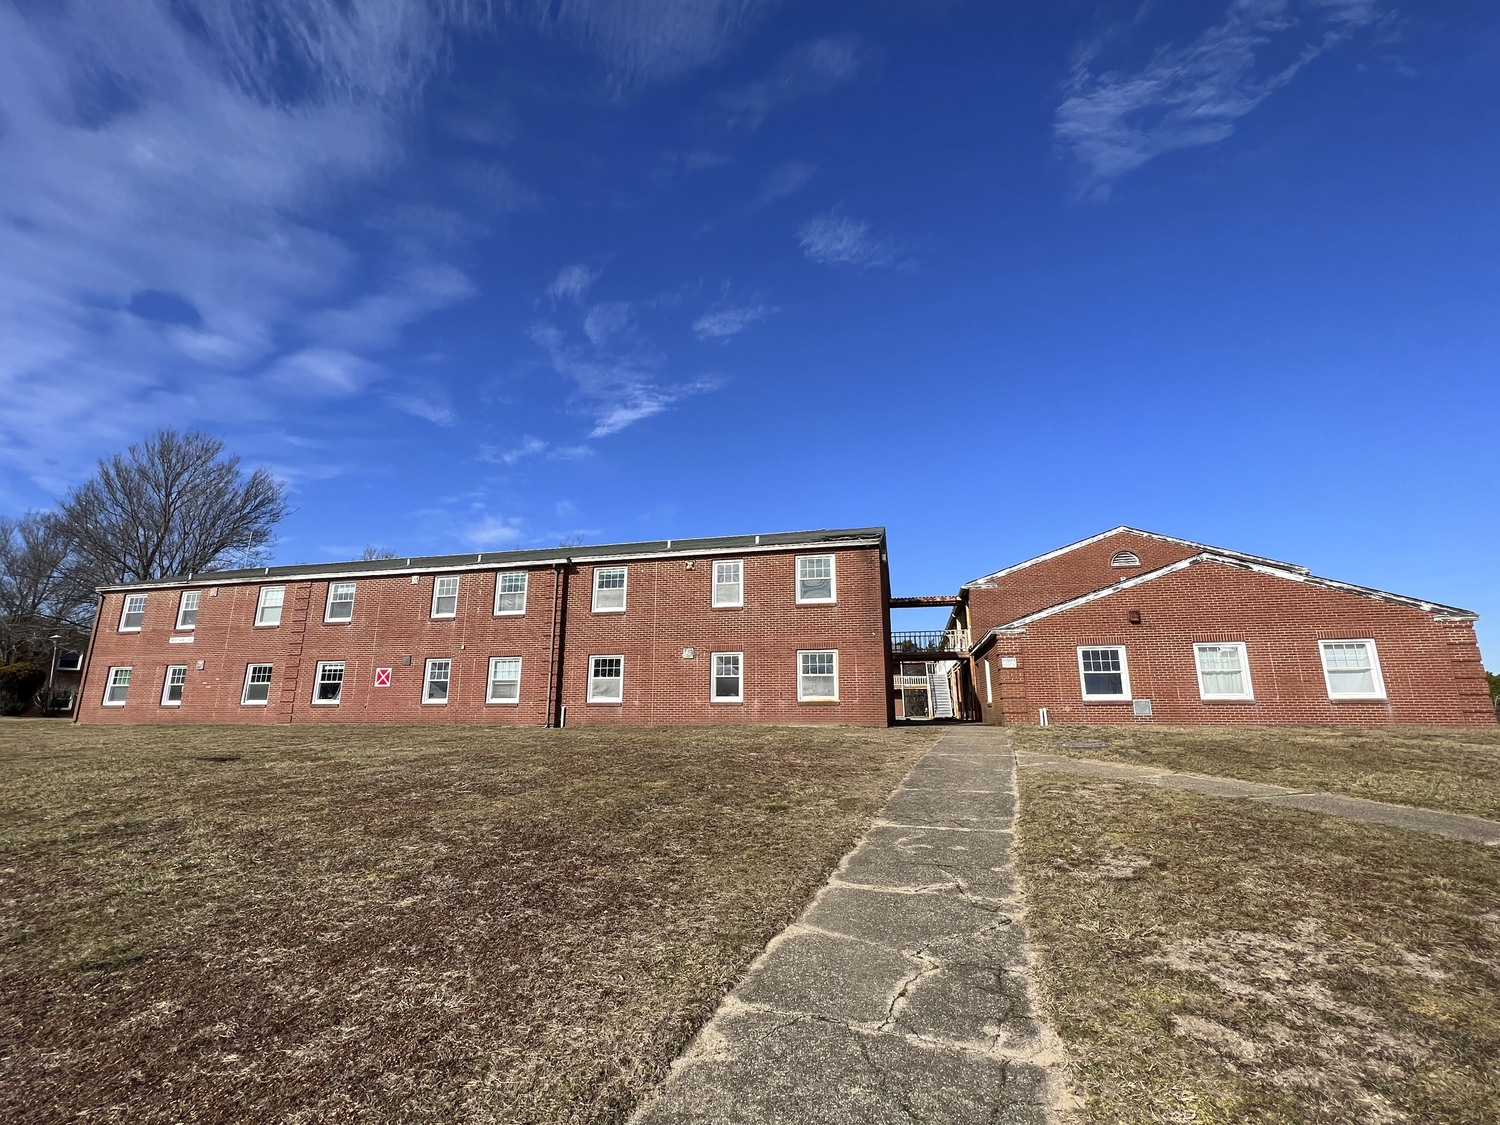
(1125, 558)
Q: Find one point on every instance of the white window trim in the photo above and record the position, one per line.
(713, 597)
(1124, 696)
(328, 605)
(427, 679)
(245, 690)
(624, 590)
(607, 702)
(525, 593)
(166, 684)
(1375, 672)
(834, 698)
(713, 677)
(109, 684)
(989, 689)
(125, 609)
(260, 604)
(489, 682)
(318, 681)
(182, 608)
(457, 589)
(1248, 694)
(833, 582)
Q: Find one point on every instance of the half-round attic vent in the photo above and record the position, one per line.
(1125, 558)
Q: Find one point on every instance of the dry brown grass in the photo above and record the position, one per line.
(1222, 961)
(235, 924)
(1456, 770)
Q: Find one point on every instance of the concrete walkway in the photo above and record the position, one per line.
(901, 994)
(1473, 829)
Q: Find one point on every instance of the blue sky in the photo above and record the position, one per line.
(996, 275)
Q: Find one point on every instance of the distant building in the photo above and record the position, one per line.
(1126, 626)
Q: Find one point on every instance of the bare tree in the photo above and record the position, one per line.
(375, 554)
(172, 504)
(42, 589)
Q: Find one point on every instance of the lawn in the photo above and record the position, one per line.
(1222, 961)
(349, 924)
(1456, 770)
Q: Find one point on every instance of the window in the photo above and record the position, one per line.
(609, 589)
(729, 681)
(171, 688)
(257, 691)
(815, 579)
(606, 679)
(118, 687)
(340, 605)
(187, 609)
(435, 682)
(328, 686)
(989, 687)
(268, 608)
(1223, 671)
(505, 679)
(1352, 670)
(1104, 673)
(445, 596)
(68, 660)
(1125, 558)
(729, 584)
(817, 676)
(510, 592)
(133, 613)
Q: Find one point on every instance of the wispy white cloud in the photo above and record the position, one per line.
(185, 150)
(1112, 121)
(572, 282)
(724, 321)
(838, 240)
(491, 531)
(811, 69)
(323, 373)
(786, 179)
(430, 407)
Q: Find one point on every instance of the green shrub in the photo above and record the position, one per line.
(18, 686)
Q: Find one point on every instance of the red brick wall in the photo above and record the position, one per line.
(1067, 576)
(668, 610)
(1431, 669)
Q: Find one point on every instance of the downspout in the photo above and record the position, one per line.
(554, 650)
(88, 660)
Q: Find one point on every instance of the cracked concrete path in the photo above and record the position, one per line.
(1473, 829)
(902, 993)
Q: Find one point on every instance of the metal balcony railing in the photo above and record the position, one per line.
(919, 642)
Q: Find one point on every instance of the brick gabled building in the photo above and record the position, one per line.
(784, 628)
(1130, 626)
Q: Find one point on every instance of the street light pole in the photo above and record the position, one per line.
(51, 673)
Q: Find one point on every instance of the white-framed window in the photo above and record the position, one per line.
(328, 684)
(340, 605)
(815, 579)
(117, 687)
(172, 685)
(1351, 669)
(609, 589)
(445, 596)
(435, 681)
(187, 609)
(1223, 671)
(505, 680)
(257, 691)
(989, 689)
(268, 607)
(1104, 672)
(510, 592)
(606, 679)
(69, 661)
(133, 613)
(818, 676)
(1125, 558)
(729, 677)
(729, 583)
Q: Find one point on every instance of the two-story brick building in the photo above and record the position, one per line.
(784, 628)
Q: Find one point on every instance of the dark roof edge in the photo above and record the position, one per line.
(503, 560)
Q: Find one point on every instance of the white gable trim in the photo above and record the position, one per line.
(1125, 530)
(1441, 612)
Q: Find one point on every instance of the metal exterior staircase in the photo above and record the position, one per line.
(937, 692)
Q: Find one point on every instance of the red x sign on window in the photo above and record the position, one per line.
(382, 677)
